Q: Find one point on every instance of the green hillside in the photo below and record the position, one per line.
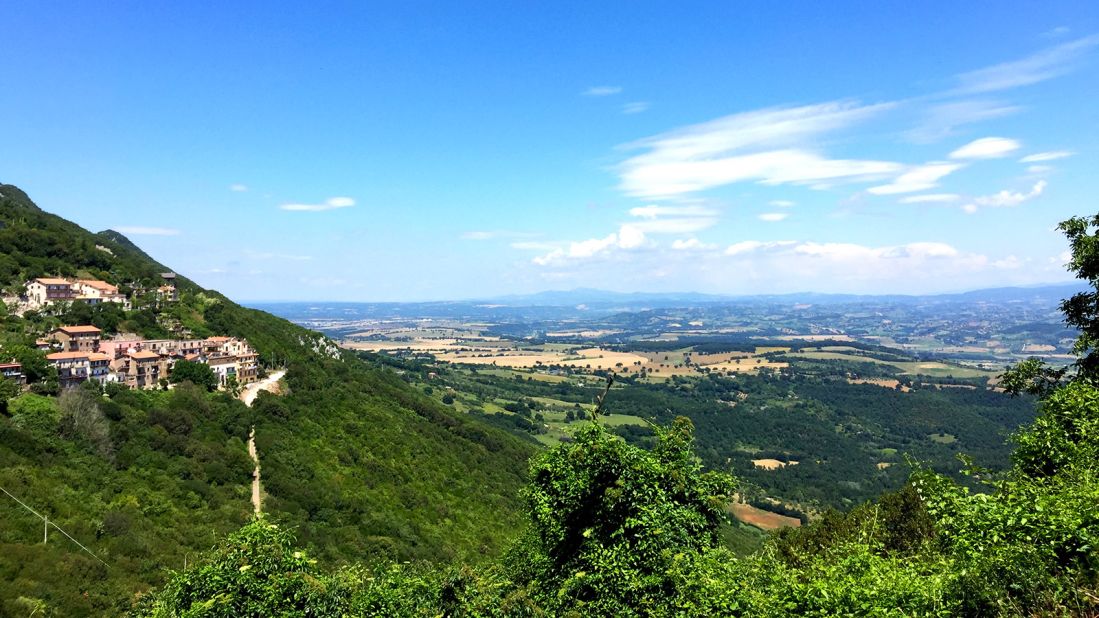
(353, 460)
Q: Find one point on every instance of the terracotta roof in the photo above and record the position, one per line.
(10, 366)
(79, 329)
(143, 355)
(95, 356)
(218, 339)
(52, 281)
(99, 285)
(57, 356)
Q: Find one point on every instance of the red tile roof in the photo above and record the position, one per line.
(83, 330)
(51, 281)
(58, 356)
(143, 355)
(99, 285)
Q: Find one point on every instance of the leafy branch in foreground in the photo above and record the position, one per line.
(1034, 375)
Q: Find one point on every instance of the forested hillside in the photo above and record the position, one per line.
(354, 461)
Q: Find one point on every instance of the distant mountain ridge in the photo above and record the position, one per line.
(592, 296)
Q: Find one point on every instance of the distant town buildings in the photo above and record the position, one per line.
(46, 291)
(77, 338)
(168, 291)
(143, 363)
(13, 371)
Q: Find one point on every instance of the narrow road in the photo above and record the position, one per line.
(248, 396)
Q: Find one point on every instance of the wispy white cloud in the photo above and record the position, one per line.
(1039, 169)
(919, 178)
(333, 203)
(238, 188)
(754, 246)
(1046, 64)
(847, 264)
(773, 216)
(986, 148)
(627, 237)
(1046, 156)
(602, 91)
(781, 203)
(138, 230)
(635, 107)
(768, 146)
(1005, 198)
(942, 120)
(675, 225)
(931, 198)
(653, 211)
(852, 252)
(691, 244)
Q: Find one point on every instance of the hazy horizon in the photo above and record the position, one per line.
(259, 301)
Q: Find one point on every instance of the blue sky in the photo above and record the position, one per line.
(427, 150)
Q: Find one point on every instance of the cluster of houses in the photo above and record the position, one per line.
(79, 353)
(46, 291)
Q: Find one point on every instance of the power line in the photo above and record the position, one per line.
(46, 523)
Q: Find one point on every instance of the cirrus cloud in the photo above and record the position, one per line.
(1046, 156)
(986, 148)
(332, 203)
(767, 146)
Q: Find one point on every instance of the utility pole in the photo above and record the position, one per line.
(45, 529)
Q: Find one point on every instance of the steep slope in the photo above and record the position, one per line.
(354, 459)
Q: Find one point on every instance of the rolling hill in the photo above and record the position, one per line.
(354, 460)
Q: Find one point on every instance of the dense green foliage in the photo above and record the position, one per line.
(144, 479)
(619, 531)
(838, 432)
(353, 460)
(199, 374)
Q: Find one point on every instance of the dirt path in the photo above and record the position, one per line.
(248, 396)
(257, 503)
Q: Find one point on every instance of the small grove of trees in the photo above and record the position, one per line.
(199, 374)
(81, 419)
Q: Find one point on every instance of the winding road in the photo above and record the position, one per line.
(248, 396)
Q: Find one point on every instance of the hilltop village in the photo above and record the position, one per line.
(82, 352)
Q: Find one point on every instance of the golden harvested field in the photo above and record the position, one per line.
(882, 382)
(772, 464)
(419, 345)
(764, 520)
